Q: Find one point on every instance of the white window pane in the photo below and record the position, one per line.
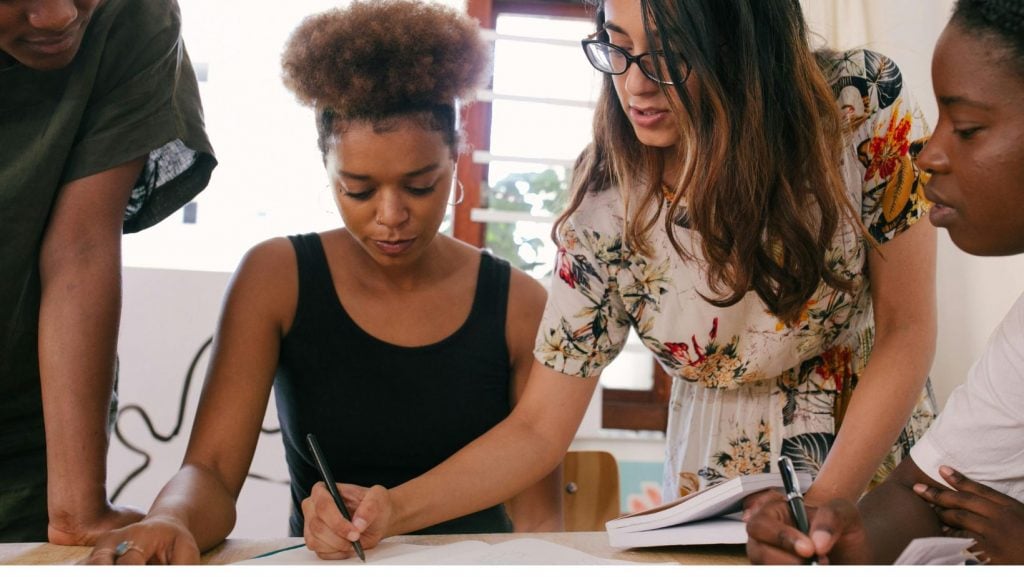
(544, 70)
(539, 130)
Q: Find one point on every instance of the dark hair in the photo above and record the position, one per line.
(1003, 19)
(760, 146)
(382, 60)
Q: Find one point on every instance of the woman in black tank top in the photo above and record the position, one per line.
(394, 344)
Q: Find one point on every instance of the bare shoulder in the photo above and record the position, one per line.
(267, 260)
(526, 296)
(267, 280)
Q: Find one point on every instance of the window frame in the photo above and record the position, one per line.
(621, 409)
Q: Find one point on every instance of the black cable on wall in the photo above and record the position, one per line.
(183, 400)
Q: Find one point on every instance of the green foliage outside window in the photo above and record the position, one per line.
(541, 193)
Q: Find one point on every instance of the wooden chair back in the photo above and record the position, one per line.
(591, 485)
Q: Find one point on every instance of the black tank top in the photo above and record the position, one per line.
(384, 413)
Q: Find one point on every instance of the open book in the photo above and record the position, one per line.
(707, 517)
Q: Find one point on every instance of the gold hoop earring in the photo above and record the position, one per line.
(461, 195)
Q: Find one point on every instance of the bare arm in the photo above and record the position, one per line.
(538, 508)
(903, 296)
(196, 509)
(80, 308)
(894, 514)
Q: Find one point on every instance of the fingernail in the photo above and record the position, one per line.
(360, 524)
(352, 536)
(920, 487)
(746, 516)
(821, 539)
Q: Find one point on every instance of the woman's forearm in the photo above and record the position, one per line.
(886, 394)
(513, 455)
(200, 502)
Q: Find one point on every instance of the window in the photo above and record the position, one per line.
(526, 132)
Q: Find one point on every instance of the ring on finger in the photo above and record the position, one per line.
(125, 546)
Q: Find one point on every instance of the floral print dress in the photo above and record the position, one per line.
(747, 388)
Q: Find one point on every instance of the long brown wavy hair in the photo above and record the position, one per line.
(760, 150)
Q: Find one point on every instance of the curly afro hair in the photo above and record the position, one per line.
(380, 58)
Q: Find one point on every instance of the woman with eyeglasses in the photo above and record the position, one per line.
(747, 206)
(750, 209)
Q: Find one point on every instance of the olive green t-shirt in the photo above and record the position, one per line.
(130, 92)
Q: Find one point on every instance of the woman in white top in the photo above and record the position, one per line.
(976, 447)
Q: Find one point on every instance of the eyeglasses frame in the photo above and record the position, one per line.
(630, 59)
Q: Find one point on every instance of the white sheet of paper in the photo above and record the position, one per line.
(514, 552)
(303, 556)
(937, 551)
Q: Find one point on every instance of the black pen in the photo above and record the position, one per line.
(794, 497)
(325, 472)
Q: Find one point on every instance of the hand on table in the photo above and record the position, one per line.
(152, 541)
(837, 534)
(330, 535)
(993, 519)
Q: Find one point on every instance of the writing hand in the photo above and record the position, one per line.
(993, 519)
(329, 534)
(152, 541)
(837, 535)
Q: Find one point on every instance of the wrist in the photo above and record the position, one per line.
(70, 508)
(401, 515)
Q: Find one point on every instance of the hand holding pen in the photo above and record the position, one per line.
(325, 473)
(794, 498)
(783, 531)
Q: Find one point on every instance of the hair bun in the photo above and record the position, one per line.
(380, 56)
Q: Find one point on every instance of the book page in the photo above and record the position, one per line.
(937, 551)
(717, 531)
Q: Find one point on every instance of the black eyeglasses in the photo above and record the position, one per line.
(615, 60)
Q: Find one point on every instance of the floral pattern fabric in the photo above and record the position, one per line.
(747, 388)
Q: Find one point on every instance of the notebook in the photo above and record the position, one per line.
(706, 517)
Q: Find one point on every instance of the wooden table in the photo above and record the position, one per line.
(595, 543)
